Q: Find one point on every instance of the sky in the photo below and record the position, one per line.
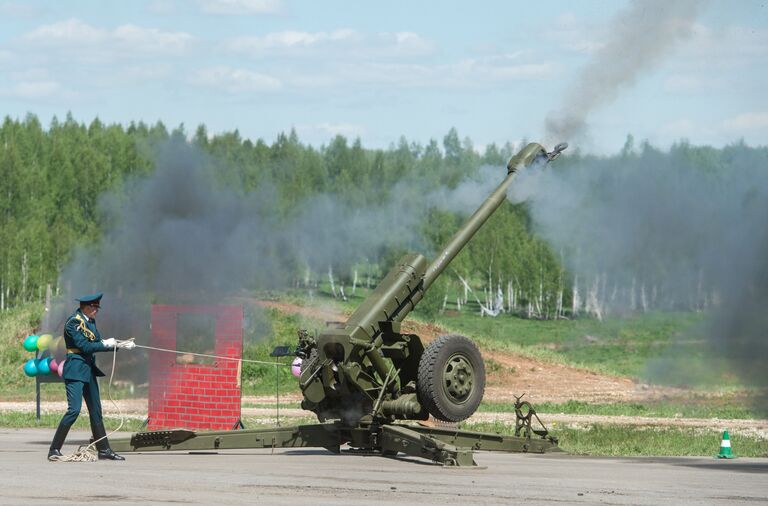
(494, 70)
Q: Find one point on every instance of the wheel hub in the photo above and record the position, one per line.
(458, 378)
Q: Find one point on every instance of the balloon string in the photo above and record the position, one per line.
(211, 356)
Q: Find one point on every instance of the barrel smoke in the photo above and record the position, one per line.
(639, 37)
(679, 231)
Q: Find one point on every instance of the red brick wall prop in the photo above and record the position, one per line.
(195, 396)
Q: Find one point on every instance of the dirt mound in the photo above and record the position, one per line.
(510, 374)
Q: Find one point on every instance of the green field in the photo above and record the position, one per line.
(666, 348)
(620, 440)
(633, 346)
(623, 346)
(725, 408)
(661, 348)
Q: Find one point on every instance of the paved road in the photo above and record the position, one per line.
(318, 477)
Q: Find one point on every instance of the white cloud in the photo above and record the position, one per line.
(751, 126)
(142, 73)
(289, 40)
(30, 74)
(684, 83)
(19, 9)
(241, 7)
(36, 89)
(746, 122)
(575, 34)
(499, 69)
(151, 39)
(236, 81)
(83, 40)
(339, 44)
(477, 74)
(162, 7)
(468, 74)
(6, 56)
(723, 47)
(321, 131)
(683, 128)
(72, 31)
(410, 43)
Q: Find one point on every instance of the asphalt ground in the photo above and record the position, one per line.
(309, 476)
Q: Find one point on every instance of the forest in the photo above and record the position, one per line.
(591, 243)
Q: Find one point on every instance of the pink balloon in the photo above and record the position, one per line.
(60, 370)
(54, 365)
(296, 367)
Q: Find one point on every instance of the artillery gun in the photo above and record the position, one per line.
(367, 371)
(363, 375)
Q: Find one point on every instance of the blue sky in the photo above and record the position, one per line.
(378, 70)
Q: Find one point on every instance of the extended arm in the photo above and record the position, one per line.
(82, 342)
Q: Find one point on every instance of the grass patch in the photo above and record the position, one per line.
(701, 408)
(623, 441)
(23, 419)
(262, 423)
(621, 346)
(15, 325)
(262, 405)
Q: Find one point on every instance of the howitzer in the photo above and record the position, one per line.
(366, 370)
(363, 375)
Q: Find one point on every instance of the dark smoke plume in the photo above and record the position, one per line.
(639, 37)
(178, 235)
(181, 235)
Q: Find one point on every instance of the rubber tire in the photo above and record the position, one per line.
(430, 385)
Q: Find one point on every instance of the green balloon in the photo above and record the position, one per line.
(30, 343)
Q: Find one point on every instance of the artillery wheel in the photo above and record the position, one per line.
(451, 378)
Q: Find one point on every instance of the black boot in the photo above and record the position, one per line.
(54, 452)
(108, 454)
(105, 452)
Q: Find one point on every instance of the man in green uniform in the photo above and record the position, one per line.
(80, 372)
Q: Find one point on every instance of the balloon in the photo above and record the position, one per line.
(43, 366)
(30, 343)
(30, 367)
(58, 347)
(60, 372)
(54, 365)
(43, 341)
(296, 367)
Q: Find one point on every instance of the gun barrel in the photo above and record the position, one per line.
(528, 155)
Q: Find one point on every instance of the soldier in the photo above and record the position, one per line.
(80, 372)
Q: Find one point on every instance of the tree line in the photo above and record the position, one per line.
(54, 176)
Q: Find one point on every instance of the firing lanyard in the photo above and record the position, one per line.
(210, 356)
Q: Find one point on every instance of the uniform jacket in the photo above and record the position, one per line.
(82, 334)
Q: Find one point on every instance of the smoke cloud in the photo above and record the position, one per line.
(180, 235)
(640, 36)
(683, 231)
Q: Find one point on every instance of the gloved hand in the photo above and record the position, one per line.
(109, 343)
(126, 345)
